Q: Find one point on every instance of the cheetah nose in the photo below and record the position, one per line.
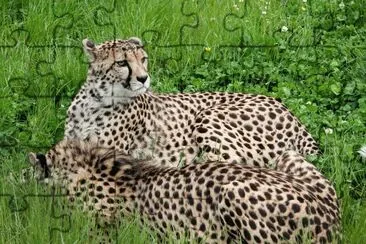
(142, 79)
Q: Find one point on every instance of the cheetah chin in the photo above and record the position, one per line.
(122, 95)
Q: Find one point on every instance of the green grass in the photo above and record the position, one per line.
(240, 46)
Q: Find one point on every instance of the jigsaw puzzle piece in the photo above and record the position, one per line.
(249, 13)
(66, 22)
(18, 204)
(75, 22)
(270, 30)
(173, 50)
(26, 205)
(13, 203)
(16, 37)
(304, 40)
(44, 91)
(7, 230)
(27, 125)
(27, 15)
(35, 210)
(26, 77)
(61, 222)
(34, 84)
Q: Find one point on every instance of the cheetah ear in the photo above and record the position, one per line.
(32, 157)
(37, 158)
(136, 40)
(89, 47)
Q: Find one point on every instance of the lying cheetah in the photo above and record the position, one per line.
(212, 202)
(115, 106)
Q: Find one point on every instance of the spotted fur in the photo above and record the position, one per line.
(117, 73)
(177, 128)
(212, 202)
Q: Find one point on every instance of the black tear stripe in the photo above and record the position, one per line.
(127, 84)
(129, 75)
(43, 161)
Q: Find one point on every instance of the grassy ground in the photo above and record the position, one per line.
(311, 54)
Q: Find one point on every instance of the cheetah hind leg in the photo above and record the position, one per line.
(293, 163)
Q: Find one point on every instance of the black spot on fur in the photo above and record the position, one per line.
(115, 168)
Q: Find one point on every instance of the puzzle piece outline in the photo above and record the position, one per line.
(180, 45)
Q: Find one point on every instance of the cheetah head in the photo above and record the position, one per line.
(56, 166)
(117, 69)
(69, 160)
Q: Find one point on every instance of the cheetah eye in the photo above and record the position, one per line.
(122, 63)
(144, 59)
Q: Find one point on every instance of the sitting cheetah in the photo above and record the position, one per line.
(212, 202)
(115, 106)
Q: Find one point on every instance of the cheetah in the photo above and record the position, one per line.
(115, 106)
(208, 202)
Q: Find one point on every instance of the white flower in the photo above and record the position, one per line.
(341, 5)
(264, 12)
(328, 131)
(362, 152)
(304, 1)
(284, 29)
